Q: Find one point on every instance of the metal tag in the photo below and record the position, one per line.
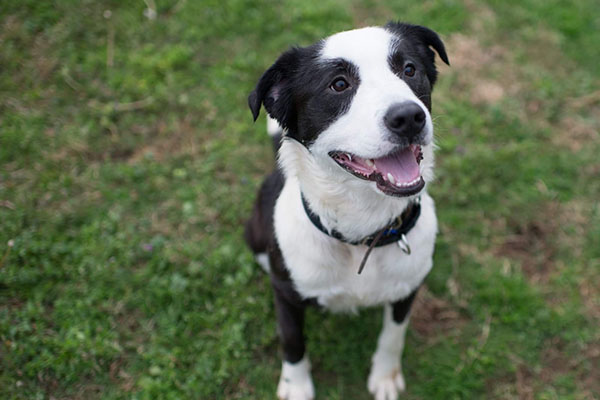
(403, 244)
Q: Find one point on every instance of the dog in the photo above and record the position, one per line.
(345, 220)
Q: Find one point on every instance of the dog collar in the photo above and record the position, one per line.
(394, 232)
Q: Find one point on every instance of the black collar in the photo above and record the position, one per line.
(394, 232)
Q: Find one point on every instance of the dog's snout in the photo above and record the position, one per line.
(405, 119)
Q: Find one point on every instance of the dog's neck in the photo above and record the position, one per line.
(341, 201)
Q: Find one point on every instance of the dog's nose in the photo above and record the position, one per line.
(405, 119)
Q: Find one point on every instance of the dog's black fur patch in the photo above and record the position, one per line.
(414, 47)
(296, 92)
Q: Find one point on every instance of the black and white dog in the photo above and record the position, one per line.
(350, 118)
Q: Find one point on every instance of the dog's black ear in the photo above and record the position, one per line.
(430, 38)
(427, 38)
(273, 89)
(425, 35)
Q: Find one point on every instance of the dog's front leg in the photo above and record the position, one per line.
(295, 382)
(386, 379)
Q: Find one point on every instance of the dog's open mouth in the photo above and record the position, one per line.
(396, 174)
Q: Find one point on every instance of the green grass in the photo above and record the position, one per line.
(129, 162)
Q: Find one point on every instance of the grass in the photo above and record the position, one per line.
(129, 162)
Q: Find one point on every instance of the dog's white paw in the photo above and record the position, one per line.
(293, 391)
(295, 382)
(386, 384)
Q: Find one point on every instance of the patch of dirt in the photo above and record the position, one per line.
(482, 17)
(473, 64)
(468, 53)
(593, 170)
(183, 138)
(535, 243)
(523, 382)
(433, 316)
(575, 132)
(571, 225)
(45, 64)
(532, 245)
(10, 28)
(370, 14)
(487, 92)
(591, 380)
(590, 295)
(119, 376)
(555, 362)
(528, 381)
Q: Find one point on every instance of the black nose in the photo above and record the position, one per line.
(405, 119)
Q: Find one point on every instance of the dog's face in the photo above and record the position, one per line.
(360, 102)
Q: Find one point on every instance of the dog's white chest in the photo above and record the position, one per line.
(326, 269)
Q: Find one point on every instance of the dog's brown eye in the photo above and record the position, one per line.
(409, 70)
(339, 85)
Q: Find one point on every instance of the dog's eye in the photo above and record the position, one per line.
(409, 70)
(339, 85)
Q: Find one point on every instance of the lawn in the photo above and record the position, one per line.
(129, 163)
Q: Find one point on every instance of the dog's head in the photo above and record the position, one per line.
(360, 102)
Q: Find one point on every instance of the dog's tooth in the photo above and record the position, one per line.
(369, 163)
(349, 156)
(391, 178)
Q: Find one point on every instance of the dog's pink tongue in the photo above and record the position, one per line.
(402, 165)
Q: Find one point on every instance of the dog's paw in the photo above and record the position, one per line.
(386, 385)
(295, 382)
(294, 391)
